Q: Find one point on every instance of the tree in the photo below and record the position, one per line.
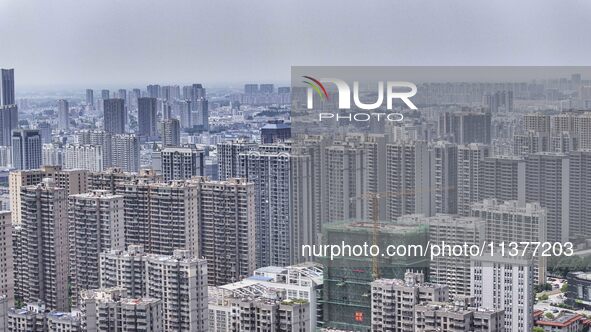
(564, 287)
(537, 329)
(549, 315)
(543, 297)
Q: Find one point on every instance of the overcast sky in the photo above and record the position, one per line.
(126, 42)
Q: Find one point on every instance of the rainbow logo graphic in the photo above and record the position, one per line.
(317, 86)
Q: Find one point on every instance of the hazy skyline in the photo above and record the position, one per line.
(109, 43)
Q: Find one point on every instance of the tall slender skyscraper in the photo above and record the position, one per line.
(45, 247)
(147, 117)
(470, 160)
(63, 115)
(8, 122)
(114, 115)
(7, 261)
(7, 87)
(444, 177)
(90, 97)
(26, 149)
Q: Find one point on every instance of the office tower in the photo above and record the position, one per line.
(74, 181)
(393, 301)
(114, 116)
(275, 131)
(510, 221)
(201, 114)
(8, 123)
(182, 163)
(45, 131)
(227, 207)
(170, 132)
(87, 157)
(470, 172)
(108, 309)
(276, 236)
(503, 178)
(580, 195)
(347, 279)
(454, 230)
(251, 89)
(89, 97)
(7, 261)
(505, 283)
(547, 182)
(7, 87)
(95, 222)
(186, 114)
(444, 177)
(179, 281)
(228, 157)
(125, 152)
(105, 94)
(248, 307)
(100, 138)
(407, 177)
(153, 90)
(162, 216)
(63, 114)
(26, 149)
(45, 225)
(465, 127)
(147, 118)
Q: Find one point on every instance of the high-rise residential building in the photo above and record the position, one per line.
(125, 152)
(228, 208)
(250, 89)
(465, 127)
(407, 175)
(108, 309)
(530, 142)
(448, 269)
(393, 301)
(163, 216)
(44, 209)
(8, 123)
(7, 261)
(170, 131)
(95, 225)
(583, 128)
(74, 181)
(346, 290)
(4, 306)
(5, 158)
(26, 149)
(580, 194)
(114, 116)
(179, 163)
(52, 155)
(63, 114)
(537, 122)
(228, 157)
(505, 283)
(87, 157)
(90, 97)
(503, 178)
(267, 88)
(147, 117)
(201, 113)
(186, 114)
(101, 138)
(153, 90)
(7, 95)
(179, 281)
(470, 173)
(547, 182)
(249, 307)
(444, 177)
(105, 94)
(113, 179)
(45, 131)
(499, 100)
(510, 221)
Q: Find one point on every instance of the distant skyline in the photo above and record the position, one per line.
(128, 43)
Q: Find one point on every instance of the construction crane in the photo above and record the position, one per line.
(374, 198)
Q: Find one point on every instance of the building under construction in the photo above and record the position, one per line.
(347, 289)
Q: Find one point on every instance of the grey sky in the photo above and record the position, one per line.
(126, 42)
